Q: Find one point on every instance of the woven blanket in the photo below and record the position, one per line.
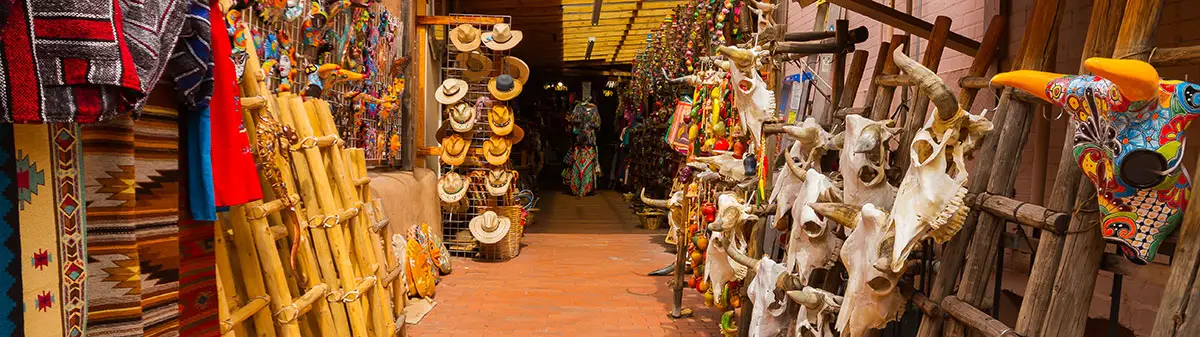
(40, 222)
(132, 177)
(83, 61)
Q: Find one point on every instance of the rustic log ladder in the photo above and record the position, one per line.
(256, 227)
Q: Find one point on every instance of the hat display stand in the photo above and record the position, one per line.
(457, 219)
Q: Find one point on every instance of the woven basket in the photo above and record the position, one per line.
(652, 220)
(628, 197)
(510, 246)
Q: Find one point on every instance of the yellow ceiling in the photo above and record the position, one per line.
(620, 32)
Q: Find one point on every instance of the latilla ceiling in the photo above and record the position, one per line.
(619, 33)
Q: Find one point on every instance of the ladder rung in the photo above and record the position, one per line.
(392, 276)
(321, 141)
(378, 226)
(363, 286)
(279, 232)
(302, 304)
(271, 207)
(362, 181)
(253, 102)
(336, 219)
(241, 314)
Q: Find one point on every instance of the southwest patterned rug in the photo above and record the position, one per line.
(131, 177)
(41, 227)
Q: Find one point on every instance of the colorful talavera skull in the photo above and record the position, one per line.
(1129, 141)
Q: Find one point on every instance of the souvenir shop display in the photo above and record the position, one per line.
(582, 163)
(482, 216)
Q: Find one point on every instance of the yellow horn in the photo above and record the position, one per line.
(1030, 81)
(1137, 80)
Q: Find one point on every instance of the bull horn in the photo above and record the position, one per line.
(743, 59)
(841, 213)
(1030, 81)
(1137, 80)
(801, 134)
(796, 171)
(717, 226)
(658, 203)
(788, 282)
(741, 258)
(930, 84)
(809, 299)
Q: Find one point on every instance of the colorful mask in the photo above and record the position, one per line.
(1129, 141)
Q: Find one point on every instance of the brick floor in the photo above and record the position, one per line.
(581, 273)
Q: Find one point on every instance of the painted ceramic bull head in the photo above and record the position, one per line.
(871, 299)
(811, 246)
(755, 103)
(864, 161)
(1129, 140)
(930, 200)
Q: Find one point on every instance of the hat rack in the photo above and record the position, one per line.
(456, 225)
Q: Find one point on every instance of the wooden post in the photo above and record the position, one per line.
(916, 114)
(1067, 185)
(854, 75)
(227, 290)
(872, 87)
(1009, 139)
(1177, 313)
(983, 60)
(839, 68)
(882, 103)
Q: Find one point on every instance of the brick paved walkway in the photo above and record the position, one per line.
(581, 273)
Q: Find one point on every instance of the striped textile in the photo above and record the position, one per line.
(132, 177)
(83, 61)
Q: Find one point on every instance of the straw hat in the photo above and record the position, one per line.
(454, 149)
(475, 64)
(516, 67)
(420, 274)
(504, 87)
(465, 37)
(462, 117)
(452, 187)
(490, 227)
(502, 37)
(497, 181)
(500, 119)
(451, 91)
(497, 149)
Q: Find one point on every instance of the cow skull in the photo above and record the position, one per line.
(864, 161)
(817, 308)
(810, 245)
(810, 144)
(755, 103)
(675, 212)
(732, 169)
(930, 202)
(871, 299)
(731, 213)
(719, 267)
(769, 305)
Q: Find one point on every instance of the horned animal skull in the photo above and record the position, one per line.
(812, 320)
(930, 202)
(864, 161)
(767, 315)
(755, 103)
(732, 169)
(871, 299)
(810, 245)
(731, 212)
(675, 212)
(719, 268)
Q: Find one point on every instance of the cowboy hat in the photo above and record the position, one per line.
(455, 149)
(502, 37)
(515, 67)
(451, 91)
(420, 274)
(490, 227)
(475, 65)
(462, 117)
(497, 148)
(500, 119)
(465, 37)
(451, 187)
(497, 181)
(504, 87)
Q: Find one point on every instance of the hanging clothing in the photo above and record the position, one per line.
(582, 167)
(83, 61)
(236, 171)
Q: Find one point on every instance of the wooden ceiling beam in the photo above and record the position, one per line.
(908, 23)
(628, 27)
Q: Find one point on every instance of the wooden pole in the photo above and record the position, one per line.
(838, 83)
(227, 290)
(1010, 139)
(872, 87)
(916, 115)
(882, 103)
(983, 60)
(1067, 185)
(854, 75)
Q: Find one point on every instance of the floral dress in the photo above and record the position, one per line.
(582, 167)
